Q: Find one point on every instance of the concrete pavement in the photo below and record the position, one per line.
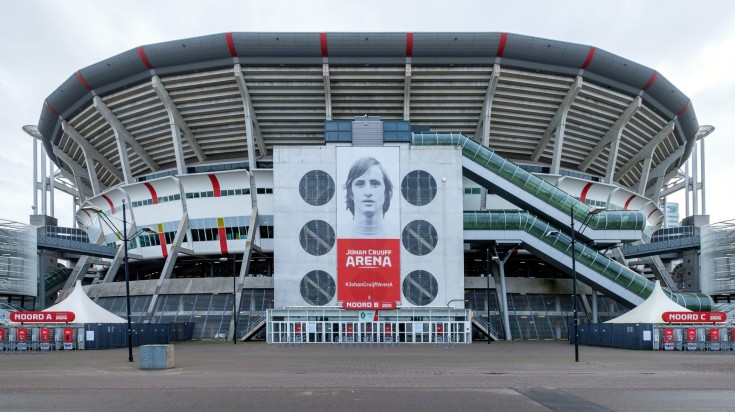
(256, 376)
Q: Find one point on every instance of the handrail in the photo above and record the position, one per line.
(537, 187)
(587, 256)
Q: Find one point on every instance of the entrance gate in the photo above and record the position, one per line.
(302, 325)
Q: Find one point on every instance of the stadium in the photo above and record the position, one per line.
(236, 166)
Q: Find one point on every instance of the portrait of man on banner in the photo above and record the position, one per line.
(368, 228)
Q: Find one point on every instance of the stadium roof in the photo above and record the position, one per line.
(292, 82)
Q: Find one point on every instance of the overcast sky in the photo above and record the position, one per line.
(42, 43)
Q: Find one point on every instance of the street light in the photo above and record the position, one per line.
(106, 219)
(234, 298)
(455, 300)
(593, 211)
(487, 292)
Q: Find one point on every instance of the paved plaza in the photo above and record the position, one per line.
(532, 376)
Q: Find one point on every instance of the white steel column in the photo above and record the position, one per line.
(178, 125)
(90, 156)
(44, 180)
(35, 175)
(51, 187)
(124, 138)
(695, 176)
(686, 187)
(485, 121)
(407, 91)
(704, 193)
(327, 90)
(556, 127)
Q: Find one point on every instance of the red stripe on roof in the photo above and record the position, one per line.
(48, 106)
(323, 40)
(231, 44)
(152, 189)
(651, 82)
(652, 212)
(409, 44)
(144, 59)
(501, 46)
(222, 240)
(684, 109)
(590, 56)
(109, 201)
(627, 202)
(82, 81)
(215, 185)
(586, 189)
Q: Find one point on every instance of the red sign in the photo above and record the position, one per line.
(45, 334)
(691, 335)
(2, 335)
(22, 334)
(68, 335)
(369, 273)
(694, 317)
(350, 329)
(439, 329)
(42, 317)
(668, 335)
(714, 335)
(297, 329)
(387, 330)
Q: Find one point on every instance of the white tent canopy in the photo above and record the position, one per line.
(85, 310)
(651, 309)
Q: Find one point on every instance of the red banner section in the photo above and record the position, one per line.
(68, 335)
(369, 273)
(694, 317)
(22, 335)
(714, 335)
(668, 335)
(45, 334)
(42, 317)
(691, 335)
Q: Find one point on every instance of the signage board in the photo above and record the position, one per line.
(68, 338)
(694, 317)
(669, 339)
(42, 317)
(45, 338)
(368, 228)
(22, 337)
(691, 339)
(714, 339)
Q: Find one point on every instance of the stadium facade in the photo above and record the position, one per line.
(370, 186)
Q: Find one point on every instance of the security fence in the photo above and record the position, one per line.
(657, 337)
(90, 336)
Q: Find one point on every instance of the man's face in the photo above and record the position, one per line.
(368, 191)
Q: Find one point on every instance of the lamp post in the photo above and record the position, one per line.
(455, 300)
(234, 298)
(593, 211)
(125, 240)
(487, 292)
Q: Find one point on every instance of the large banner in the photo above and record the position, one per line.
(368, 227)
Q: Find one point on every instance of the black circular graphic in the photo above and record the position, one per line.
(317, 287)
(316, 188)
(420, 287)
(317, 237)
(419, 237)
(418, 188)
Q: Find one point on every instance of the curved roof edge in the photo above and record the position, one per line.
(510, 50)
